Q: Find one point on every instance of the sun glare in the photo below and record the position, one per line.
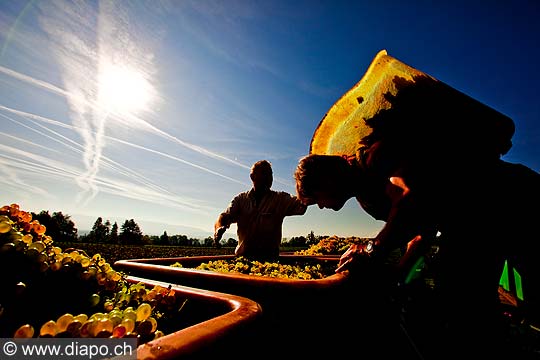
(123, 90)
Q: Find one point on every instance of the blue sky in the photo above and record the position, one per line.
(210, 87)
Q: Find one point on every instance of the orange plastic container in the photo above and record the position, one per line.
(214, 323)
(300, 318)
(285, 302)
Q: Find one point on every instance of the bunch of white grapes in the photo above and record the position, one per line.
(50, 292)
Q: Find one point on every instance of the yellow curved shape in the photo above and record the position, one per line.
(343, 128)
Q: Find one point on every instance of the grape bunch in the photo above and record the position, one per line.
(275, 269)
(332, 245)
(133, 312)
(50, 292)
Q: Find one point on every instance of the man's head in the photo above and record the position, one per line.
(261, 175)
(323, 180)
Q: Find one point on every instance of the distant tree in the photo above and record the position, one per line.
(164, 239)
(231, 242)
(182, 240)
(154, 240)
(311, 239)
(297, 241)
(209, 241)
(131, 233)
(58, 226)
(99, 232)
(107, 225)
(146, 240)
(113, 235)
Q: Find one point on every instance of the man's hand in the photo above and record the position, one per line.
(218, 234)
(355, 256)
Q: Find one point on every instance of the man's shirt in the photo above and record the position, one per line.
(259, 226)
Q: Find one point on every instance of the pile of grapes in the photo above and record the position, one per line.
(243, 265)
(50, 292)
(333, 245)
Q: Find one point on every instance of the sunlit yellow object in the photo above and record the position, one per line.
(426, 106)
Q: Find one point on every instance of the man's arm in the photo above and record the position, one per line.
(222, 224)
(295, 206)
(409, 217)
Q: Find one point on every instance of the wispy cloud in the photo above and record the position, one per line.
(48, 168)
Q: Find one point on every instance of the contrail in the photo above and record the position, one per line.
(108, 186)
(49, 168)
(109, 163)
(26, 141)
(146, 124)
(36, 117)
(175, 158)
(10, 178)
(53, 122)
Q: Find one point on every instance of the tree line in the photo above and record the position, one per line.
(62, 229)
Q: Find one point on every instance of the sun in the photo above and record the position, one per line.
(123, 90)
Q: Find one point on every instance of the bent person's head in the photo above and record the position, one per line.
(323, 180)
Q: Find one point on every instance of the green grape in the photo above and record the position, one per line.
(7, 247)
(85, 262)
(4, 218)
(55, 266)
(105, 267)
(101, 278)
(153, 322)
(115, 318)
(115, 276)
(74, 328)
(94, 300)
(129, 324)
(143, 311)
(38, 245)
(108, 305)
(144, 328)
(63, 321)
(48, 329)
(131, 314)
(92, 270)
(86, 330)
(32, 253)
(25, 331)
(98, 316)
(85, 275)
(42, 257)
(15, 235)
(104, 324)
(27, 239)
(5, 227)
(116, 312)
(81, 317)
(119, 331)
(43, 267)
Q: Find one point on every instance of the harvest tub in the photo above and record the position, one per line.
(299, 317)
